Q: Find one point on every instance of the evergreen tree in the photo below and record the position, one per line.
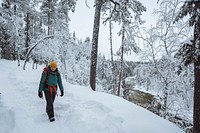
(5, 42)
(122, 12)
(192, 8)
(8, 46)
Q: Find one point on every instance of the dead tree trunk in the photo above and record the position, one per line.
(27, 33)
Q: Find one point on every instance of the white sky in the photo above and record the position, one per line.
(82, 24)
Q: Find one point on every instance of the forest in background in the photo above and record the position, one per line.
(38, 32)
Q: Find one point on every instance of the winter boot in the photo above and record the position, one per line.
(51, 119)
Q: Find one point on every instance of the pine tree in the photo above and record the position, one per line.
(192, 7)
(121, 13)
(94, 52)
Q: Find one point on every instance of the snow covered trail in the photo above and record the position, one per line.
(81, 110)
(27, 111)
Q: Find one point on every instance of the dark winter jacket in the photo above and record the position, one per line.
(54, 78)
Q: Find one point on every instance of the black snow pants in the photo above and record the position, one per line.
(49, 103)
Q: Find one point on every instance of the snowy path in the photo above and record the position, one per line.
(70, 112)
(81, 110)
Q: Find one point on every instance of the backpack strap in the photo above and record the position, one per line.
(57, 73)
(47, 76)
(53, 88)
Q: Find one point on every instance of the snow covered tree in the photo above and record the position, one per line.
(192, 8)
(168, 35)
(48, 9)
(124, 12)
(55, 16)
(5, 42)
(8, 30)
(62, 29)
(160, 74)
(114, 73)
(121, 13)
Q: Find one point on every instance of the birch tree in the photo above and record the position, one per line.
(167, 38)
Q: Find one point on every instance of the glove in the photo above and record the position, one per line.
(62, 93)
(40, 95)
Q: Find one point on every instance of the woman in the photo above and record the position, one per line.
(48, 83)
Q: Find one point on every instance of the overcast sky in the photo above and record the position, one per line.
(82, 24)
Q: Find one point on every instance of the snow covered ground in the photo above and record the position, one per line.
(81, 110)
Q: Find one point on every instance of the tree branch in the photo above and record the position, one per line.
(30, 50)
(114, 9)
(86, 4)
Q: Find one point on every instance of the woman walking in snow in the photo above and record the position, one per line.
(48, 83)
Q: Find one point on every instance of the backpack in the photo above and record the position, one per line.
(47, 77)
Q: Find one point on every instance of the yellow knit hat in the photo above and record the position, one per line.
(53, 64)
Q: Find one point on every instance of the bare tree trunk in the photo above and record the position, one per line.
(111, 45)
(196, 112)
(33, 64)
(18, 56)
(122, 61)
(112, 60)
(164, 109)
(196, 118)
(94, 52)
(15, 10)
(17, 48)
(27, 33)
(49, 17)
(36, 65)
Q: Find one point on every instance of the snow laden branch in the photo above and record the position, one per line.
(122, 11)
(113, 11)
(31, 49)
